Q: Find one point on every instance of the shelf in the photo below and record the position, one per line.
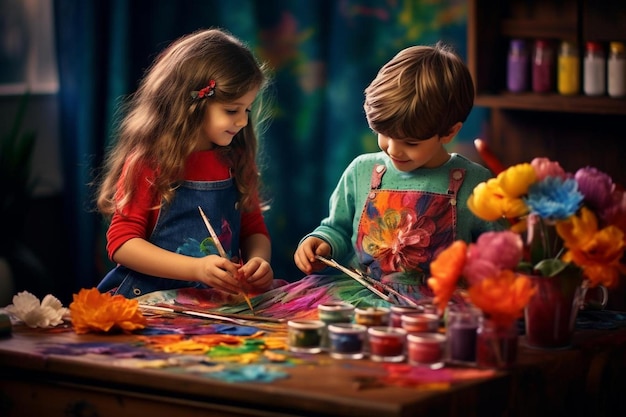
(553, 103)
(574, 130)
(539, 28)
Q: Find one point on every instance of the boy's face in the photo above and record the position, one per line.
(410, 154)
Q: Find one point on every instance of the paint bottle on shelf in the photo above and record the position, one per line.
(616, 70)
(568, 74)
(517, 66)
(542, 67)
(594, 69)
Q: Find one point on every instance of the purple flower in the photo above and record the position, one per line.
(596, 187)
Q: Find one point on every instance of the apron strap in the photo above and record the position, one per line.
(457, 175)
(377, 179)
(377, 176)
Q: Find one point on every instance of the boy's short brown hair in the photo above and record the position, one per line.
(421, 92)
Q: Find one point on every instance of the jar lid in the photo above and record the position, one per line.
(617, 47)
(568, 47)
(594, 46)
(518, 44)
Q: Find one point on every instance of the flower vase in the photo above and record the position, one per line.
(496, 344)
(551, 313)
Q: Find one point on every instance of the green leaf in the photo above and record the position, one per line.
(551, 267)
(554, 267)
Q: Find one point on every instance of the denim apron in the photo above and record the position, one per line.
(181, 229)
(400, 232)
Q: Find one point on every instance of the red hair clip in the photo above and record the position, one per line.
(207, 91)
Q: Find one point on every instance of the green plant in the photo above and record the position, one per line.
(16, 183)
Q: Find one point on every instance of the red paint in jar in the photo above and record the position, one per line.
(420, 322)
(387, 344)
(426, 349)
(397, 312)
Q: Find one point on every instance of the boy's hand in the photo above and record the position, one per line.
(305, 254)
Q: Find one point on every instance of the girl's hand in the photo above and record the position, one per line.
(306, 252)
(220, 273)
(256, 275)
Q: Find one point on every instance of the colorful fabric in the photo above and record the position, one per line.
(296, 300)
(401, 231)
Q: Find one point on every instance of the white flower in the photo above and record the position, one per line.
(27, 308)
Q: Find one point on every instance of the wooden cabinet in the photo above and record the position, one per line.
(575, 130)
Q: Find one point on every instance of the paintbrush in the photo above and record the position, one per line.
(178, 308)
(354, 275)
(368, 282)
(249, 321)
(221, 250)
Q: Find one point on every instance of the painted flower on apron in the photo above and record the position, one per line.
(401, 231)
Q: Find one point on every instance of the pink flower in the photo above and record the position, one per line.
(492, 252)
(544, 167)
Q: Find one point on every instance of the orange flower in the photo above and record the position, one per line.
(445, 272)
(502, 297)
(597, 252)
(92, 310)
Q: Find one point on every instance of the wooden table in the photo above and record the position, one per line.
(588, 379)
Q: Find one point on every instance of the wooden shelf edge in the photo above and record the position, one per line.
(553, 103)
(539, 28)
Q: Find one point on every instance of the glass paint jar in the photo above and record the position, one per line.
(568, 74)
(372, 316)
(305, 335)
(616, 70)
(496, 344)
(420, 322)
(340, 312)
(517, 66)
(594, 69)
(462, 329)
(426, 349)
(542, 67)
(386, 344)
(396, 313)
(346, 340)
(334, 312)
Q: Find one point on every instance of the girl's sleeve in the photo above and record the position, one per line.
(138, 218)
(253, 223)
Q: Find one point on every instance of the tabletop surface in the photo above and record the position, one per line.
(309, 384)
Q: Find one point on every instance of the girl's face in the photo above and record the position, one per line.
(222, 121)
(409, 154)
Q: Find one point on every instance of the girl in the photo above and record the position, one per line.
(186, 146)
(394, 210)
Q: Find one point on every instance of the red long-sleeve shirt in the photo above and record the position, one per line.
(139, 219)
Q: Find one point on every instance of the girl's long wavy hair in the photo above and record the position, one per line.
(162, 121)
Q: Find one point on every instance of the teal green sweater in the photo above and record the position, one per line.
(346, 203)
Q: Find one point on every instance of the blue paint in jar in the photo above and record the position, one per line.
(346, 340)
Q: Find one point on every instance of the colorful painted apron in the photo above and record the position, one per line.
(180, 229)
(400, 232)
